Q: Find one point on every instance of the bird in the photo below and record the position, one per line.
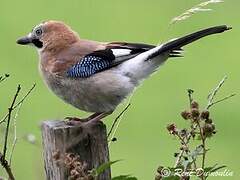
(97, 76)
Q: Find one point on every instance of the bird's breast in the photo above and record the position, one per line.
(99, 93)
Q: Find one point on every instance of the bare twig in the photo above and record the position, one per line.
(116, 119)
(10, 109)
(220, 100)
(216, 89)
(25, 97)
(4, 78)
(190, 92)
(4, 119)
(212, 95)
(19, 102)
(6, 166)
(180, 155)
(8, 116)
(203, 139)
(15, 133)
(3, 160)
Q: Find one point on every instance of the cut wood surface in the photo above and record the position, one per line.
(88, 144)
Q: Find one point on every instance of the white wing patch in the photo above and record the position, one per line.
(121, 52)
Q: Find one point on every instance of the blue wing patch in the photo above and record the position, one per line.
(88, 66)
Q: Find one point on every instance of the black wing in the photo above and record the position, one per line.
(114, 54)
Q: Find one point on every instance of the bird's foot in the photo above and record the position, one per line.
(96, 117)
(75, 121)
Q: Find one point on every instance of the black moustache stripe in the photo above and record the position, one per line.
(37, 43)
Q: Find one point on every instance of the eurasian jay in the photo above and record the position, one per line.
(97, 76)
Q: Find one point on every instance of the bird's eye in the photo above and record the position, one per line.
(38, 32)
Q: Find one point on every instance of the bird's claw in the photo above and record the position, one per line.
(73, 121)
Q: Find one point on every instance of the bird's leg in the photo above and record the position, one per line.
(99, 117)
(91, 119)
(92, 116)
(82, 119)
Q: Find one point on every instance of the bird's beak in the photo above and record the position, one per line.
(25, 40)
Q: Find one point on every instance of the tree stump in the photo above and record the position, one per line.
(63, 144)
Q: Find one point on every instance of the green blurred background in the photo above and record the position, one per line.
(143, 142)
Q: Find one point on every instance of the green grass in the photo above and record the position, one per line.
(143, 142)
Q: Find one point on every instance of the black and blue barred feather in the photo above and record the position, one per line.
(100, 60)
(88, 66)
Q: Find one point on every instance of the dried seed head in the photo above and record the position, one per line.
(186, 115)
(193, 134)
(74, 172)
(205, 114)
(194, 104)
(195, 113)
(158, 176)
(208, 129)
(90, 177)
(159, 169)
(56, 155)
(183, 133)
(77, 164)
(184, 148)
(176, 154)
(58, 163)
(209, 121)
(70, 155)
(172, 128)
(190, 91)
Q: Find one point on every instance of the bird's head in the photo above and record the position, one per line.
(50, 35)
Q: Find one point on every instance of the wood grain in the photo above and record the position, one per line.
(88, 142)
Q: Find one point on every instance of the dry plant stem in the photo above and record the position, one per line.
(18, 103)
(4, 78)
(203, 139)
(3, 160)
(116, 119)
(10, 109)
(24, 97)
(218, 101)
(6, 166)
(15, 133)
(210, 103)
(193, 129)
(195, 9)
(182, 151)
(187, 147)
(179, 158)
(214, 92)
(190, 92)
(212, 95)
(196, 127)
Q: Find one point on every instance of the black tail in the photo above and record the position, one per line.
(180, 42)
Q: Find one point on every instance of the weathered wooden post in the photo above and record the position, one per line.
(88, 144)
